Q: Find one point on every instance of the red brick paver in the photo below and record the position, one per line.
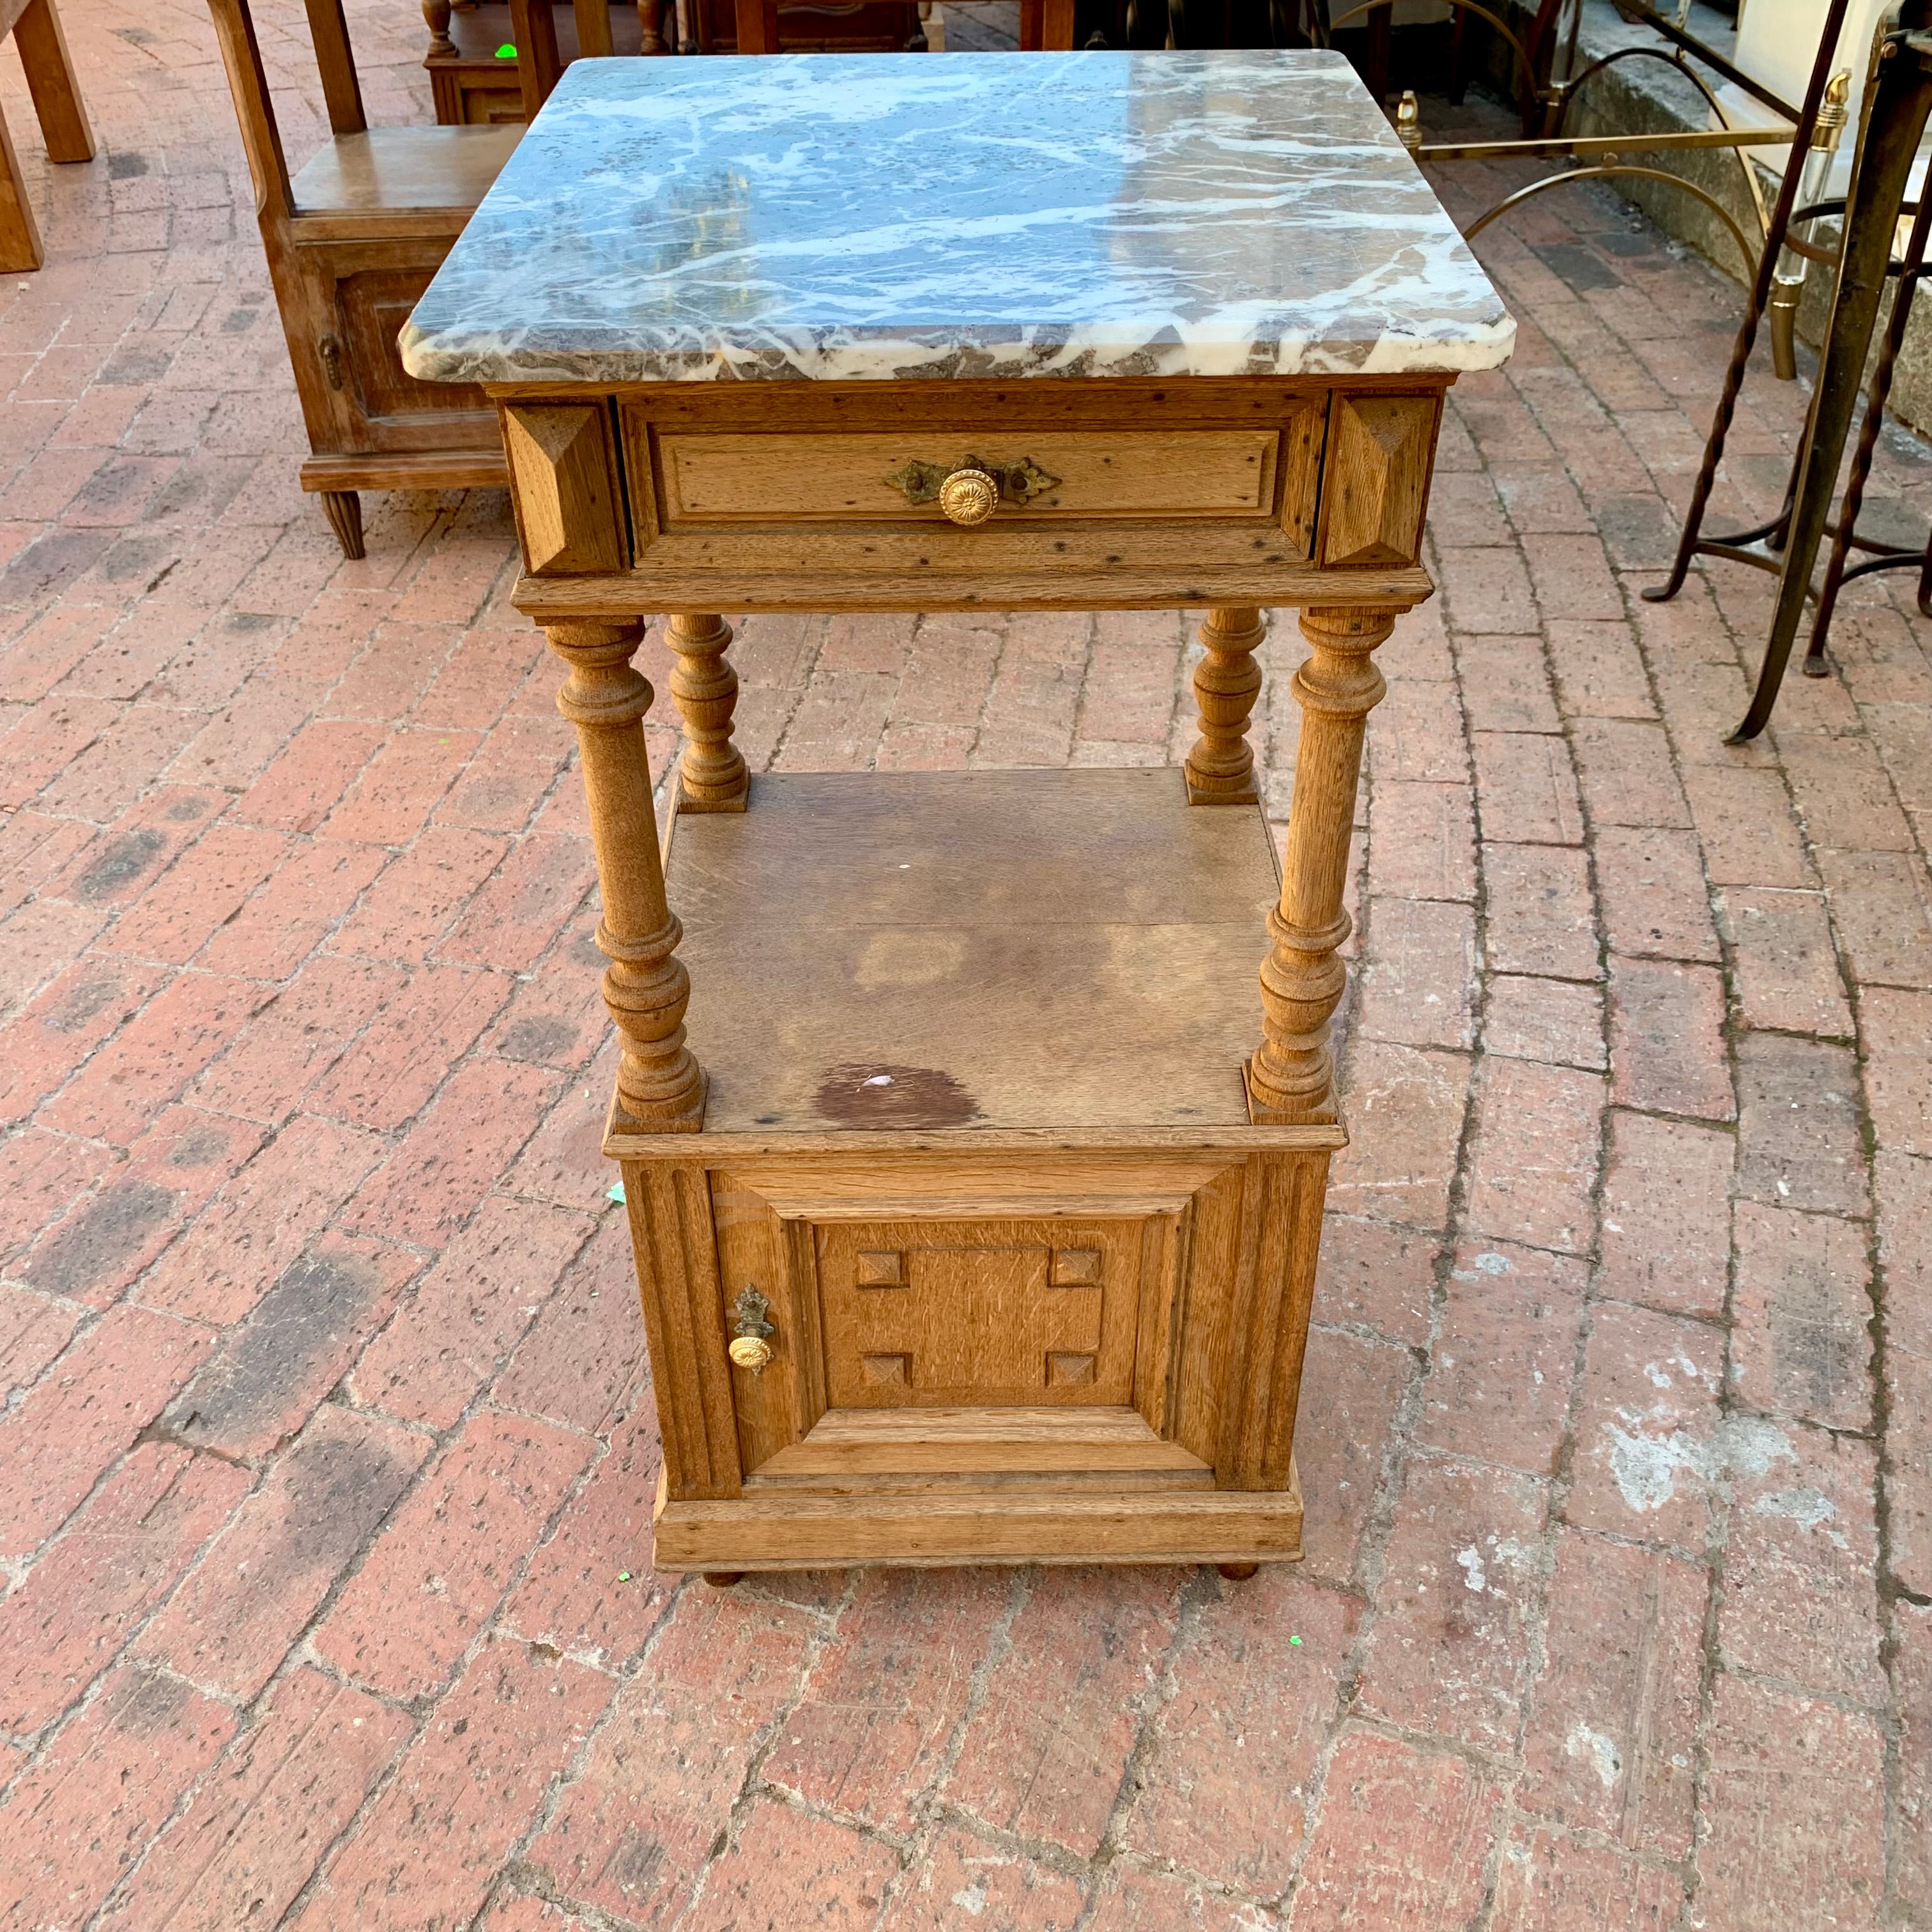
(327, 1445)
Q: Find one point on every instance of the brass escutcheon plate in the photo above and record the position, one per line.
(1015, 482)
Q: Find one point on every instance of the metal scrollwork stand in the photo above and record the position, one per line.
(1897, 100)
(1546, 106)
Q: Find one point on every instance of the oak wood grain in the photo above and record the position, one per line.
(823, 479)
(997, 949)
(646, 986)
(934, 1314)
(1380, 452)
(711, 771)
(880, 1449)
(567, 498)
(668, 1204)
(768, 1529)
(1290, 1076)
(1221, 766)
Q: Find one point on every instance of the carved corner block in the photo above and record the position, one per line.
(1376, 479)
(569, 507)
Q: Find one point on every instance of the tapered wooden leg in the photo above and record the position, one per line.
(660, 1086)
(711, 774)
(343, 509)
(49, 72)
(1292, 1076)
(1221, 767)
(20, 238)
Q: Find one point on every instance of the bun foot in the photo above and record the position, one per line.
(1237, 1573)
(723, 1579)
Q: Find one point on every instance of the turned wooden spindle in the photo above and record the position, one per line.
(1221, 767)
(650, 17)
(660, 1086)
(711, 774)
(435, 17)
(1292, 1076)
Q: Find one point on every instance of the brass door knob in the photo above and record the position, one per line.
(751, 1352)
(969, 495)
(751, 1327)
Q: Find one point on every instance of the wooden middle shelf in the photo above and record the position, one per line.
(995, 949)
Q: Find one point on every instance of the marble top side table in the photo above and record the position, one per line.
(975, 1194)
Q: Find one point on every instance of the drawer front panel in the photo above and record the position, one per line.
(1137, 493)
(708, 478)
(923, 1314)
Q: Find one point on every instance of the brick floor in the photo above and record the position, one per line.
(328, 1442)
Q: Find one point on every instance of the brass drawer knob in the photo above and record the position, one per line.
(969, 495)
(750, 1328)
(968, 492)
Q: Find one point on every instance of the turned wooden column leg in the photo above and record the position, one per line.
(435, 17)
(711, 774)
(660, 1086)
(1221, 767)
(1292, 1076)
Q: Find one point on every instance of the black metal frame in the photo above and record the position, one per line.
(1897, 102)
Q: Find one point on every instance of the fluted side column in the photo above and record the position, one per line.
(1292, 1076)
(660, 1086)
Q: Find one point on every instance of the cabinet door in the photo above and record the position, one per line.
(373, 305)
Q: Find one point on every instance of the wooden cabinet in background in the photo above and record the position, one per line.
(351, 240)
(474, 82)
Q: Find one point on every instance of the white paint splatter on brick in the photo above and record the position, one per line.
(1810, 1509)
(1646, 1467)
(1600, 1749)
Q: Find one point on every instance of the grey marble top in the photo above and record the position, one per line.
(876, 216)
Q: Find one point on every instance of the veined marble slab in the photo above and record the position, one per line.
(881, 216)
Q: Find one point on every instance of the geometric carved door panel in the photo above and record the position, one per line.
(935, 1314)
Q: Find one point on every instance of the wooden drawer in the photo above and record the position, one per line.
(817, 496)
(708, 478)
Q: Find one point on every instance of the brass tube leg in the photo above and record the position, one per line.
(1292, 1076)
(1221, 767)
(660, 1086)
(711, 774)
